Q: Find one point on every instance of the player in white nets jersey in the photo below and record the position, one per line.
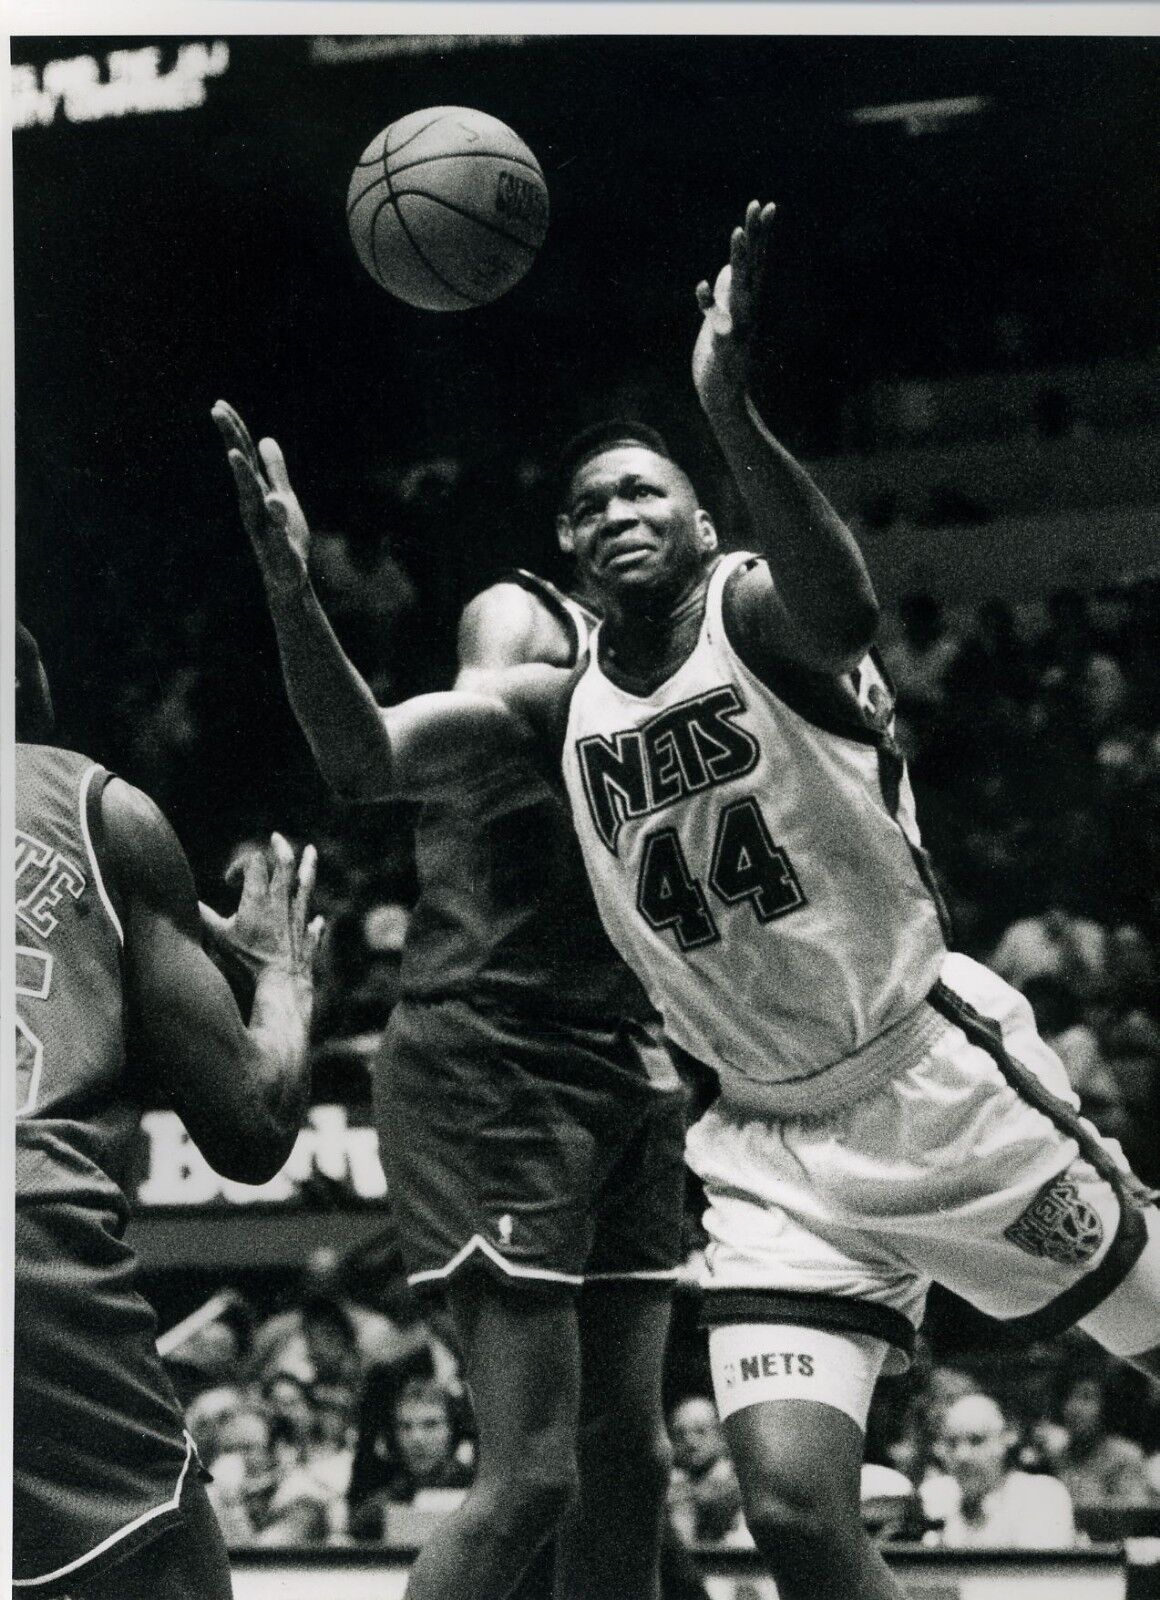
(887, 1115)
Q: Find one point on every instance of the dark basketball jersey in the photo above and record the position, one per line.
(504, 909)
(75, 1118)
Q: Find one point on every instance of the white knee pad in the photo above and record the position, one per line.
(1128, 1322)
(753, 1363)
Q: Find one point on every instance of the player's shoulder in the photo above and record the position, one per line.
(52, 758)
(761, 626)
(140, 846)
(129, 810)
(515, 620)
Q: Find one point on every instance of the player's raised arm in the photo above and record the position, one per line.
(363, 751)
(241, 1091)
(823, 611)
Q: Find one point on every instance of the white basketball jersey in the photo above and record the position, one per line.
(762, 875)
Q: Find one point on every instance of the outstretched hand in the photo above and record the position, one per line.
(271, 514)
(721, 354)
(269, 929)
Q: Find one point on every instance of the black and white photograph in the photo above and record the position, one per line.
(582, 593)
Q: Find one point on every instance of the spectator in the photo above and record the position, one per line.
(208, 1414)
(993, 661)
(331, 1458)
(890, 1506)
(254, 1502)
(1056, 943)
(704, 1495)
(282, 1343)
(983, 1502)
(1060, 1020)
(419, 1449)
(1098, 1466)
(920, 659)
(286, 1400)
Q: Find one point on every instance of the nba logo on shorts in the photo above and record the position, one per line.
(1058, 1224)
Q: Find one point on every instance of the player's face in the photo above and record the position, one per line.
(633, 524)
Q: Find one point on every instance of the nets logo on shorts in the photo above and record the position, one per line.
(1058, 1224)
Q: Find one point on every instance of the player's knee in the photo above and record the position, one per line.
(540, 1492)
(652, 1460)
(510, 1515)
(636, 1447)
(791, 1522)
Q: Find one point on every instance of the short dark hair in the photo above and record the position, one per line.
(594, 440)
(34, 714)
(323, 1311)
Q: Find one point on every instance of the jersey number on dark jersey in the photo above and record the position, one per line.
(33, 982)
(746, 865)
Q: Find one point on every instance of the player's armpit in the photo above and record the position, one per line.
(185, 1034)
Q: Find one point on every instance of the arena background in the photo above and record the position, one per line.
(962, 339)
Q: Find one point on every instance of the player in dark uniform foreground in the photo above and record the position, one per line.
(117, 999)
(888, 1115)
(531, 1123)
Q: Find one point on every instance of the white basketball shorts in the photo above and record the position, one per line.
(972, 1169)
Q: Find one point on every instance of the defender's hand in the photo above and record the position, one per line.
(269, 927)
(271, 514)
(721, 354)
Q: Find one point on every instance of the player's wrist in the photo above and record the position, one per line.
(723, 400)
(286, 584)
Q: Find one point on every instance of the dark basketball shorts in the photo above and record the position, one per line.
(549, 1154)
(101, 1459)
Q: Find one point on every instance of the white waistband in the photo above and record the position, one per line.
(896, 1049)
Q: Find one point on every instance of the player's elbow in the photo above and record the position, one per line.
(253, 1155)
(367, 779)
(848, 631)
(858, 631)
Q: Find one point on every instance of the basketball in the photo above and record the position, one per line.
(447, 208)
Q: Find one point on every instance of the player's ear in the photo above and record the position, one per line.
(565, 537)
(706, 532)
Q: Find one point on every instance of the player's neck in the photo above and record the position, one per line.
(647, 640)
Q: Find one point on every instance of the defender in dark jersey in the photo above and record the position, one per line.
(116, 998)
(531, 1121)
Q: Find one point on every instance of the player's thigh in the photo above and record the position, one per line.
(1127, 1322)
(487, 1153)
(624, 1327)
(793, 1401)
(798, 1463)
(187, 1563)
(1039, 1218)
(640, 1205)
(521, 1355)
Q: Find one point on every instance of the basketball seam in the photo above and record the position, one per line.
(392, 199)
(411, 137)
(413, 242)
(438, 200)
(359, 198)
(468, 155)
